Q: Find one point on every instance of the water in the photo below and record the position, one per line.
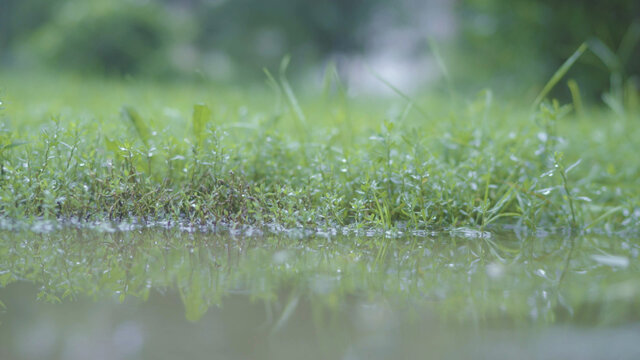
(165, 294)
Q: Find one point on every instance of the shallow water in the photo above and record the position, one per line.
(166, 294)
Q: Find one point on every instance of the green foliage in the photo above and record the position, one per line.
(533, 38)
(259, 33)
(116, 37)
(131, 115)
(354, 164)
(162, 38)
(559, 74)
(18, 18)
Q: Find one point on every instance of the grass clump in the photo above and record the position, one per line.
(328, 161)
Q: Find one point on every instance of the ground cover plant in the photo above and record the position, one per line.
(83, 150)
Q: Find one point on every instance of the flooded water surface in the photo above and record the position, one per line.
(166, 294)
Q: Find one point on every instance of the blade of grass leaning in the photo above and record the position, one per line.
(559, 74)
(443, 68)
(201, 115)
(271, 81)
(576, 97)
(399, 92)
(613, 64)
(134, 117)
(293, 101)
(629, 42)
(605, 54)
(604, 216)
(327, 78)
(111, 145)
(11, 145)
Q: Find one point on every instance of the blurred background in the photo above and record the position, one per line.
(503, 44)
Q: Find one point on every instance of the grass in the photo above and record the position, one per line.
(396, 199)
(92, 149)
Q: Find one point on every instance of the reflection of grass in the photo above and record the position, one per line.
(463, 277)
(332, 161)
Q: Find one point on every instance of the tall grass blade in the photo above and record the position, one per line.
(612, 62)
(12, 145)
(576, 97)
(559, 74)
(327, 79)
(273, 83)
(604, 53)
(604, 216)
(201, 115)
(293, 101)
(399, 92)
(443, 67)
(629, 42)
(132, 115)
(614, 103)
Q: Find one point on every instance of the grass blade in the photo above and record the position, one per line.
(399, 92)
(559, 74)
(629, 41)
(608, 57)
(132, 115)
(443, 68)
(576, 97)
(201, 115)
(12, 145)
(289, 92)
(604, 216)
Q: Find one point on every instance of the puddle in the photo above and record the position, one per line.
(165, 294)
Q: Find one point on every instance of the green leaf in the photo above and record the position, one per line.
(608, 57)
(12, 145)
(201, 115)
(112, 145)
(132, 115)
(629, 42)
(399, 93)
(288, 91)
(559, 74)
(604, 216)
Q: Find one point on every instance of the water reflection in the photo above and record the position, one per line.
(163, 293)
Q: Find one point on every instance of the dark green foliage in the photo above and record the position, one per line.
(18, 18)
(114, 38)
(523, 37)
(151, 38)
(253, 30)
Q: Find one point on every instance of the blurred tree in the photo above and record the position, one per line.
(508, 41)
(261, 32)
(109, 37)
(134, 36)
(516, 37)
(19, 17)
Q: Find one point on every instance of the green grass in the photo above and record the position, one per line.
(91, 149)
